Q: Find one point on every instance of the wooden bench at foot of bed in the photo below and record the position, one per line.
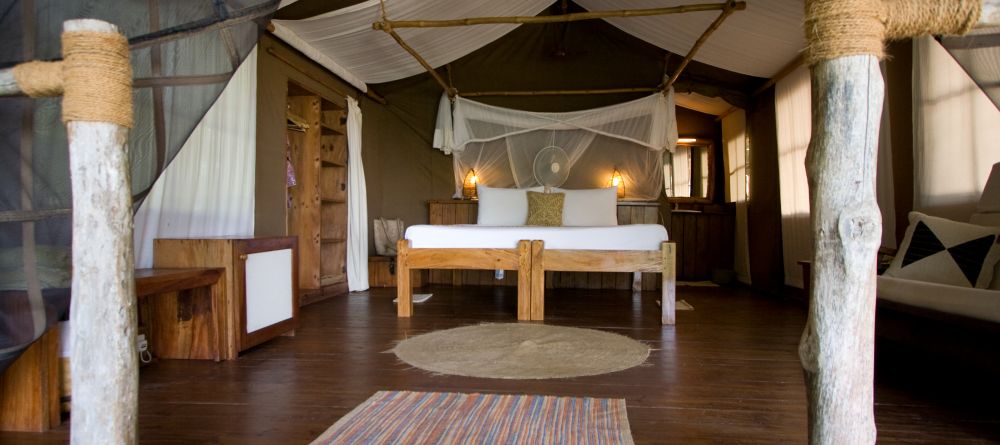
(531, 260)
(656, 261)
(409, 259)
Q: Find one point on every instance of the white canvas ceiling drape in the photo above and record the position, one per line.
(758, 41)
(501, 143)
(344, 41)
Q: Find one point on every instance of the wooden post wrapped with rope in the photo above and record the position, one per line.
(95, 80)
(846, 39)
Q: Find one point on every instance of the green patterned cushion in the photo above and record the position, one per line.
(545, 209)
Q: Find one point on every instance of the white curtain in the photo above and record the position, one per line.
(357, 203)
(500, 144)
(885, 193)
(734, 136)
(793, 115)
(208, 189)
(955, 133)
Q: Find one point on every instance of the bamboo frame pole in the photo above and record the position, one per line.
(562, 92)
(728, 8)
(562, 18)
(437, 77)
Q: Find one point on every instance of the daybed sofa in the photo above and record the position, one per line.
(941, 293)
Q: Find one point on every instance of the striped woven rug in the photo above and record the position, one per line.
(404, 417)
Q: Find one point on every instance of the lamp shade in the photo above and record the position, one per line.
(469, 185)
(618, 181)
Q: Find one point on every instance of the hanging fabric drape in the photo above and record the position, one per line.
(793, 116)
(734, 137)
(955, 129)
(208, 190)
(500, 144)
(357, 203)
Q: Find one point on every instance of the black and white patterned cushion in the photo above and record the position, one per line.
(942, 251)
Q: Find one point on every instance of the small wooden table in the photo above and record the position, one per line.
(184, 325)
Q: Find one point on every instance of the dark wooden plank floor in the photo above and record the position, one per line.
(728, 372)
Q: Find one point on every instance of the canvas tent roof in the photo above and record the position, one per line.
(758, 41)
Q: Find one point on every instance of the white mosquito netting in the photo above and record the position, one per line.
(500, 144)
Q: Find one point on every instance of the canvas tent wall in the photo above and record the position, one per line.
(176, 79)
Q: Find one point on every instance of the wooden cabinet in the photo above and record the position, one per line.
(261, 289)
(317, 211)
(704, 239)
(457, 211)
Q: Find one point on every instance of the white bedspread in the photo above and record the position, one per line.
(627, 237)
(983, 304)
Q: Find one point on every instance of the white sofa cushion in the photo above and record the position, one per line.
(590, 207)
(939, 250)
(983, 304)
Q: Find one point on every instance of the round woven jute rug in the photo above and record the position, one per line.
(521, 351)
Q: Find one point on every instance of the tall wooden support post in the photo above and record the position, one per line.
(837, 349)
(846, 39)
(104, 362)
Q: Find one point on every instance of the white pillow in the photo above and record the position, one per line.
(502, 207)
(939, 250)
(590, 207)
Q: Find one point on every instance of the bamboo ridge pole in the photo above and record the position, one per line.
(95, 79)
(562, 92)
(573, 17)
(437, 77)
(727, 9)
(845, 40)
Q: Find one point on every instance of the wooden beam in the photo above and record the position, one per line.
(727, 9)
(437, 77)
(33, 215)
(159, 114)
(562, 92)
(204, 25)
(562, 18)
(781, 74)
(370, 93)
(173, 81)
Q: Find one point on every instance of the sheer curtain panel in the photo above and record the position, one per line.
(500, 144)
(357, 203)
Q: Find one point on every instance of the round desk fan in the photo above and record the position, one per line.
(551, 167)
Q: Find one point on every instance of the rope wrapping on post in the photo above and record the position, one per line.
(40, 79)
(97, 78)
(838, 28)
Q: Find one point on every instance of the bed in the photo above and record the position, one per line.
(532, 250)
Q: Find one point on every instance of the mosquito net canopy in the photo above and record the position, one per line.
(500, 144)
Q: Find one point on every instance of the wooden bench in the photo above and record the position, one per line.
(183, 325)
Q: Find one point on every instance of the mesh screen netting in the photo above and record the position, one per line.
(183, 53)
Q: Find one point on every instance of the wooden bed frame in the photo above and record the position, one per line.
(531, 260)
